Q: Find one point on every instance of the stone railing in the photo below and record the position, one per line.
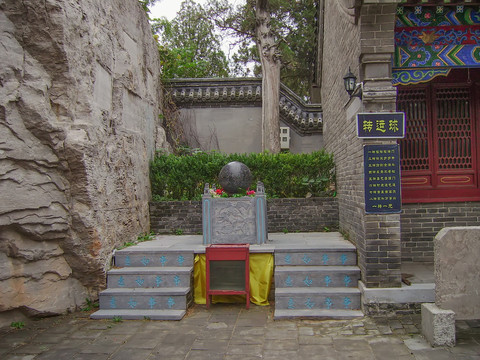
(304, 118)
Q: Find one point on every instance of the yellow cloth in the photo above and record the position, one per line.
(261, 272)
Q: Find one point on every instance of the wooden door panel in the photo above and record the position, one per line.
(440, 150)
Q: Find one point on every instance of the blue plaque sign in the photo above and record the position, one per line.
(382, 179)
(381, 125)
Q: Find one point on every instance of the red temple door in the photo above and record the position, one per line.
(439, 155)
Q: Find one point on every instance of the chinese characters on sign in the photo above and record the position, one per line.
(382, 179)
(381, 125)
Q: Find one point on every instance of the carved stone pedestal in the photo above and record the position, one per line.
(241, 220)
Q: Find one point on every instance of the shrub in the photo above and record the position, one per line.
(285, 175)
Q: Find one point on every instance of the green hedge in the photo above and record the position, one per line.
(285, 175)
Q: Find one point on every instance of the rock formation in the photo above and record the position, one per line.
(79, 105)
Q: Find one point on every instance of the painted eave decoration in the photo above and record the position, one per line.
(431, 40)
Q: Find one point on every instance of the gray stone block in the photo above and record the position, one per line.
(415, 293)
(438, 326)
(326, 257)
(144, 257)
(129, 314)
(144, 299)
(149, 277)
(317, 276)
(281, 314)
(317, 298)
(457, 271)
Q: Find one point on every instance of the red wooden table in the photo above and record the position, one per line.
(228, 270)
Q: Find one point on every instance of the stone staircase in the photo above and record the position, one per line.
(316, 276)
(317, 282)
(148, 283)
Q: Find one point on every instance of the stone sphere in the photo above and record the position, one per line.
(235, 176)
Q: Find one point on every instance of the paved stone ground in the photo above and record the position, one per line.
(231, 332)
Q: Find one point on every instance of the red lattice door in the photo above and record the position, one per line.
(439, 155)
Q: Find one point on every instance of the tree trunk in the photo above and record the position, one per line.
(271, 63)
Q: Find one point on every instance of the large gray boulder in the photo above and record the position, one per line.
(79, 106)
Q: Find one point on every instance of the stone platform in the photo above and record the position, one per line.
(276, 241)
(316, 275)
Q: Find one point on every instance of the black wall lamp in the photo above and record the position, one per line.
(350, 82)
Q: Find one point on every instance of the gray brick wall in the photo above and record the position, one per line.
(377, 26)
(382, 251)
(341, 50)
(314, 214)
(166, 217)
(363, 41)
(421, 222)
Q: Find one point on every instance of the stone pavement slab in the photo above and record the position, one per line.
(230, 332)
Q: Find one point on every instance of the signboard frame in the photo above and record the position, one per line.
(382, 125)
(382, 179)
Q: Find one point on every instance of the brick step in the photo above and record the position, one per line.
(316, 314)
(316, 257)
(317, 276)
(131, 314)
(149, 277)
(318, 298)
(149, 299)
(145, 257)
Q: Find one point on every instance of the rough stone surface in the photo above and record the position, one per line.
(78, 125)
(235, 176)
(438, 326)
(389, 309)
(457, 271)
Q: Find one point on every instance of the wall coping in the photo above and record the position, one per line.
(326, 198)
(304, 118)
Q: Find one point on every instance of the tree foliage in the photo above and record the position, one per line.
(146, 4)
(189, 46)
(278, 33)
(292, 25)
